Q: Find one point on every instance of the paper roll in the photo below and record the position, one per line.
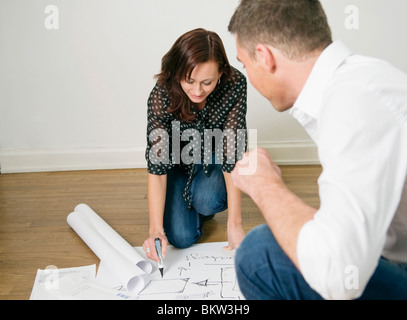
(117, 254)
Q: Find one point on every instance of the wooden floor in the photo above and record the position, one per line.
(34, 233)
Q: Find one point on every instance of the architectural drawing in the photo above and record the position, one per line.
(203, 271)
(164, 286)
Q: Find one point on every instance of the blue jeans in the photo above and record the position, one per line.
(264, 272)
(183, 227)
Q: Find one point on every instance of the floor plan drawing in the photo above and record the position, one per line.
(203, 271)
(164, 286)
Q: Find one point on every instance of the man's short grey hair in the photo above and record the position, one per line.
(297, 28)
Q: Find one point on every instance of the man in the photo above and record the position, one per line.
(355, 109)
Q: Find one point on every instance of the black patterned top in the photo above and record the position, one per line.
(171, 142)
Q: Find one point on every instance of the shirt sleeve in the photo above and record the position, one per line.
(158, 132)
(364, 165)
(235, 129)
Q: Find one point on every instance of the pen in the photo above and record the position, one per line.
(157, 243)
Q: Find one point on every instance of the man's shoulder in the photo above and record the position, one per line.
(366, 72)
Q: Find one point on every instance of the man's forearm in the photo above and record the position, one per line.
(285, 214)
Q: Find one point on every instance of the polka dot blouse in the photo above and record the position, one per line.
(219, 128)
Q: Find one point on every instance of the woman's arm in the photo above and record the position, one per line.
(234, 225)
(235, 121)
(157, 119)
(156, 192)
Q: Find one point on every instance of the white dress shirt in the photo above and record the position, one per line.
(355, 109)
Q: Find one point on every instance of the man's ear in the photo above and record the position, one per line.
(266, 56)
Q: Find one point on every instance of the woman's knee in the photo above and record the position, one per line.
(182, 239)
(209, 194)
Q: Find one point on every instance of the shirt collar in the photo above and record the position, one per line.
(310, 99)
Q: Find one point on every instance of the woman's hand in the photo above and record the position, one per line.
(234, 224)
(149, 246)
(236, 235)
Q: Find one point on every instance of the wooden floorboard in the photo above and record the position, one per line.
(34, 233)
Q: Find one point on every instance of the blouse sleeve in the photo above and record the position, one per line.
(235, 129)
(158, 132)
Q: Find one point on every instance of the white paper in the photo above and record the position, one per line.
(76, 288)
(49, 281)
(203, 271)
(117, 255)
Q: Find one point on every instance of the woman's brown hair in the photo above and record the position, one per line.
(192, 48)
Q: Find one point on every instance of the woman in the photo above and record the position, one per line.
(197, 94)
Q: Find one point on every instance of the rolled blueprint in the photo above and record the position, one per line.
(122, 260)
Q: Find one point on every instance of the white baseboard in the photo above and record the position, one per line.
(292, 152)
(46, 160)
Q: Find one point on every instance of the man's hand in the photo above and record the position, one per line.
(267, 174)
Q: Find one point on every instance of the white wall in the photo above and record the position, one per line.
(75, 98)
